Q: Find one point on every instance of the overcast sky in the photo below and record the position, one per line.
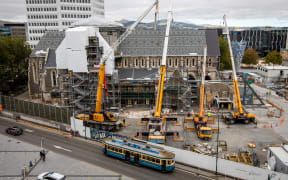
(240, 13)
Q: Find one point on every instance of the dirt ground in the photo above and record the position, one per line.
(237, 136)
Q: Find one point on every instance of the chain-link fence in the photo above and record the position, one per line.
(45, 111)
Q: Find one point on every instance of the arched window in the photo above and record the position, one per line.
(136, 62)
(142, 62)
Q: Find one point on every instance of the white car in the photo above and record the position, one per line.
(51, 176)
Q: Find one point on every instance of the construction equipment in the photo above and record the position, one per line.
(157, 124)
(200, 122)
(100, 119)
(240, 114)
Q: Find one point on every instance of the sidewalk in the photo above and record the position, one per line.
(13, 161)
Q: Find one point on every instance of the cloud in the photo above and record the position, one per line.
(245, 12)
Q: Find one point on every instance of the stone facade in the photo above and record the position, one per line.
(190, 64)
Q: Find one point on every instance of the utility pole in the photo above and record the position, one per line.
(217, 144)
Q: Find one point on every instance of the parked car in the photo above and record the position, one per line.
(15, 131)
(51, 176)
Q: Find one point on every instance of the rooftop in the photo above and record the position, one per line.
(275, 67)
(281, 153)
(146, 74)
(50, 39)
(187, 42)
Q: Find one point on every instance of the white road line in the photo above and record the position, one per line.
(59, 147)
(29, 130)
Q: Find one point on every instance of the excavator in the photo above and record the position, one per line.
(200, 122)
(157, 124)
(239, 115)
(101, 119)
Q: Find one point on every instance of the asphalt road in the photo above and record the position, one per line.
(90, 153)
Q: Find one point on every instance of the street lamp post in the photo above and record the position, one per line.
(217, 149)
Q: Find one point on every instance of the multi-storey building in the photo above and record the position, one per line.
(262, 39)
(13, 29)
(55, 15)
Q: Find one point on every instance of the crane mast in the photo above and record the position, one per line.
(202, 91)
(237, 99)
(104, 58)
(163, 65)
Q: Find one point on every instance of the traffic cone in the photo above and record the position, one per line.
(264, 127)
(271, 126)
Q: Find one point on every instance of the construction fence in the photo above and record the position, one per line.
(45, 111)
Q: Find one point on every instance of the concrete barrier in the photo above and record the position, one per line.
(225, 167)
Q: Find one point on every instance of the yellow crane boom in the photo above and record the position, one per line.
(240, 114)
(163, 65)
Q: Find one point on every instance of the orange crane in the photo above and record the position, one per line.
(99, 118)
(240, 114)
(200, 122)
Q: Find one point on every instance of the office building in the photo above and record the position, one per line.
(55, 15)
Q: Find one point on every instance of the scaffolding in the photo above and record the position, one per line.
(83, 85)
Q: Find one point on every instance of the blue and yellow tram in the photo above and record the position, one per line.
(139, 153)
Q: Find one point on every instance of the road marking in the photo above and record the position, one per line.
(29, 130)
(59, 147)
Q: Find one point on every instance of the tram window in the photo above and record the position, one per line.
(112, 148)
(120, 150)
(116, 149)
(169, 162)
(143, 157)
(132, 154)
(153, 160)
(158, 161)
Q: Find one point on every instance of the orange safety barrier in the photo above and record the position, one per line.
(283, 119)
(1, 107)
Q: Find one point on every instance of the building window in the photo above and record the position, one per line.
(34, 67)
(136, 62)
(54, 80)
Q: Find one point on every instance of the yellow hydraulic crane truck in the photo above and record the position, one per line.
(200, 121)
(157, 124)
(239, 114)
(99, 118)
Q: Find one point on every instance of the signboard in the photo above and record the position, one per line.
(99, 135)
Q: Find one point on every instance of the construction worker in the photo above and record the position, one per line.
(209, 115)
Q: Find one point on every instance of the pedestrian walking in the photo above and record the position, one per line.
(44, 154)
(41, 155)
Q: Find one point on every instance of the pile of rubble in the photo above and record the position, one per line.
(205, 149)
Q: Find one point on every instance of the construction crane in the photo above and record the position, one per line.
(99, 118)
(240, 114)
(157, 124)
(200, 122)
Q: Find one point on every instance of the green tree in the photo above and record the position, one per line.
(250, 57)
(225, 61)
(14, 55)
(273, 57)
